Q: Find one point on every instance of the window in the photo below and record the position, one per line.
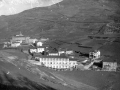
(44, 59)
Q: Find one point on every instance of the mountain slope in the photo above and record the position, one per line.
(64, 18)
(10, 7)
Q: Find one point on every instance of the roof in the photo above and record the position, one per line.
(31, 47)
(41, 47)
(73, 59)
(50, 56)
(24, 47)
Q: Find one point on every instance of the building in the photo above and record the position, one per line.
(15, 44)
(109, 66)
(53, 54)
(39, 49)
(69, 52)
(19, 38)
(38, 43)
(41, 42)
(30, 41)
(32, 49)
(56, 62)
(95, 54)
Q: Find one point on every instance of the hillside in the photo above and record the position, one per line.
(69, 17)
(80, 25)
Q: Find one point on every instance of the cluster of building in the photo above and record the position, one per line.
(41, 54)
(61, 59)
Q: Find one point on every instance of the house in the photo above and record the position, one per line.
(95, 54)
(38, 43)
(15, 44)
(19, 38)
(53, 54)
(32, 40)
(44, 39)
(97, 65)
(69, 52)
(56, 62)
(109, 66)
(61, 52)
(39, 49)
(32, 49)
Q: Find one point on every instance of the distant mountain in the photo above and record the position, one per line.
(9, 7)
(63, 19)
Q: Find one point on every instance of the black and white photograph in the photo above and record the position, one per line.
(59, 44)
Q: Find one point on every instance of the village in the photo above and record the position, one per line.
(39, 54)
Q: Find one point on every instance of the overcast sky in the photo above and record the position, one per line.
(8, 7)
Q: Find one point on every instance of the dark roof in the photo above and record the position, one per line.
(41, 47)
(24, 47)
(32, 47)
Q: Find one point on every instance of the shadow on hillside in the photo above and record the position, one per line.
(21, 83)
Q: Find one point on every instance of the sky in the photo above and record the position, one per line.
(9, 7)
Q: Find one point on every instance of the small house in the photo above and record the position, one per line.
(32, 41)
(109, 66)
(40, 49)
(37, 49)
(38, 43)
(32, 49)
(15, 44)
(53, 54)
(95, 54)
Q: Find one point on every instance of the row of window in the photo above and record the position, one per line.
(58, 66)
(52, 59)
(58, 63)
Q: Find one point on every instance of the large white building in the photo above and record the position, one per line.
(56, 62)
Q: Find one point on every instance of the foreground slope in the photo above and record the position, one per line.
(16, 71)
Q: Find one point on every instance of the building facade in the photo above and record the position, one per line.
(56, 62)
